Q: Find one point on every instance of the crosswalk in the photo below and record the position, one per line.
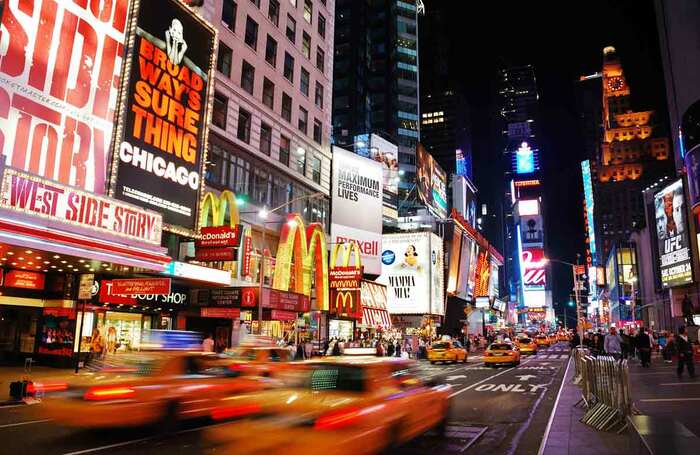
(550, 356)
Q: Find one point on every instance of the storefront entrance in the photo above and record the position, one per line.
(18, 329)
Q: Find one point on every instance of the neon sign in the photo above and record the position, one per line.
(525, 159)
(589, 206)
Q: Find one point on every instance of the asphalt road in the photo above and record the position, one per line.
(501, 410)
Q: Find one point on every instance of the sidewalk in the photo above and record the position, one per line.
(569, 436)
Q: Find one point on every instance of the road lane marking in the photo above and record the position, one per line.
(110, 446)
(655, 400)
(29, 422)
(680, 383)
(480, 382)
(545, 437)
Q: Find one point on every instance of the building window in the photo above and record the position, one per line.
(318, 131)
(251, 33)
(286, 107)
(291, 29)
(304, 84)
(320, 58)
(228, 14)
(260, 186)
(303, 120)
(268, 93)
(289, 67)
(223, 62)
(271, 51)
(255, 2)
(285, 145)
(300, 161)
(306, 45)
(244, 121)
(308, 10)
(321, 25)
(319, 95)
(220, 110)
(265, 139)
(316, 169)
(247, 77)
(273, 12)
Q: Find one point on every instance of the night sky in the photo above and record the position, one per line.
(563, 40)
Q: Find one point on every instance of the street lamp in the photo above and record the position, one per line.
(262, 215)
(576, 292)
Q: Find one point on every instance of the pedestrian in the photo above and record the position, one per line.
(390, 349)
(669, 348)
(208, 343)
(575, 341)
(612, 344)
(300, 354)
(684, 349)
(336, 349)
(644, 343)
(600, 342)
(688, 310)
(325, 347)
(397, 349)
(626, 344)
(97, 344)
(421, 349)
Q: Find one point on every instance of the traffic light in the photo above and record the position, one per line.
(571, 303)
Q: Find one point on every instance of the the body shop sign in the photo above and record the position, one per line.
(59, 73)
(160, 139)
(55, 202)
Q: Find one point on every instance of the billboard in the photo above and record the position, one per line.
(412, 270)
(159, 146)
(672, 235)
(532, 267)
(60, 65)
(589, 206)
(431, 182)
(464, 198)
(532, 229)
(357, 199)
(525, 159)
(387, 154)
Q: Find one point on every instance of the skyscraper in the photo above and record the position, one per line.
(375, 89)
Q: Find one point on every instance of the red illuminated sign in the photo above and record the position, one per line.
(281, 315)
(345, 296)
(247, 254)
(107, 295)
(533, 264)
(218, 237)
(24, 280)
(215, 254)
(141, 286)
(281, 300)
(224, 313)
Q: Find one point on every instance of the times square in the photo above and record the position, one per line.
(349, 227)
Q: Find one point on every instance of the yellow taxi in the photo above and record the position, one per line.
(542, 341)
(563, 336)
(502, 353)
(260, 360)
(361, 405)
(447, 351)
(526, 345)
(153, 389)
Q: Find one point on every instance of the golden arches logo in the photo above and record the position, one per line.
(302, 250)
(347, 251)
(214, 207)
(344, 303)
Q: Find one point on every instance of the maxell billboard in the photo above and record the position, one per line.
(159, 146)
(59, 73)
(357, 206)
(672, 235)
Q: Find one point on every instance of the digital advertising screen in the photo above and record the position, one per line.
(672, 234)
(431, 183)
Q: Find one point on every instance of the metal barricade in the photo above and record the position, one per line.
(605, 391)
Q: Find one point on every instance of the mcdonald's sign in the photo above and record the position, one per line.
(345, 281)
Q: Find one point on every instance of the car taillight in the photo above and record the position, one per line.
(100, 393)
(232, 412)
(34, 387)
(337, 419)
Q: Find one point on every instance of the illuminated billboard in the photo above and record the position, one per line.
(672, 235)
(60, 65)
(382, 151)
(525, 159)
(412, 270)
(431, 183)
(159, 149)
(589, 206)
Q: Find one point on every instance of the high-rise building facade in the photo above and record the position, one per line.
(271, 123)
(524, 239)
(375, 89)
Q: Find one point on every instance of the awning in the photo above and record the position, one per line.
(372, 317)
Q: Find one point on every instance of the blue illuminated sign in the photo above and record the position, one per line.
(589, 205)
(525, 159)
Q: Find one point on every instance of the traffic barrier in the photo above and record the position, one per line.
(605, 390)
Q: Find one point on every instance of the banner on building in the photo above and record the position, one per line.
(357, 186)
(431, 183)
(159, 146)
(386, 154)
(672, 234)
(60, 64)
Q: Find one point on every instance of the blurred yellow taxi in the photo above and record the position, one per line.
(526, 345)
(154, 389)
(339, 406)
(563, 336)
(447, 351)
(542, 341)
(260, 360)
(502, 353)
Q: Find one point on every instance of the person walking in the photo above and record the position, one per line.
(669, 348)
(613, 344)
(684, 348)
(643, 343)
(208, 343)
(390, 349)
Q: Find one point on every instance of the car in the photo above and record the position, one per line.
(542, 341)
(158, 389)
(447, 351)
(526, 345)
(358, 405)
(502, 353)
(260, 360)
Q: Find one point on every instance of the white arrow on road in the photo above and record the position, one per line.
(525, 377)
(455, 377)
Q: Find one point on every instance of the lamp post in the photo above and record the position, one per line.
(576, 292)
(262, 215)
